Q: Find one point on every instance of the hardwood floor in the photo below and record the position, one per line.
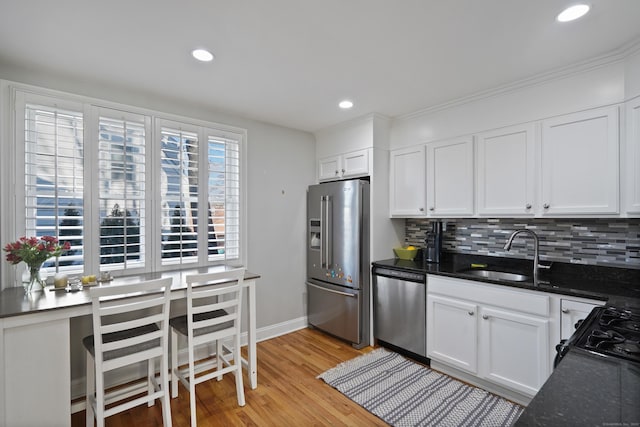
(288, 392)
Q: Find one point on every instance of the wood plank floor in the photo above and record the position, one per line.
(288, 392)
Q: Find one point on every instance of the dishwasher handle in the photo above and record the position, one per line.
(409, 276)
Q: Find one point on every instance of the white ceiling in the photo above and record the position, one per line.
(289, 62)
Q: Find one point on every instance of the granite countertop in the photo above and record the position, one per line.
(617, 285)
(587, 389)
(14, 302)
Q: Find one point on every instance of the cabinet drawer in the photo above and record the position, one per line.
(489, 294)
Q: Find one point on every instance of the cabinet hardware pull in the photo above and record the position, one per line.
(546, 206)
(485, 317)
(421, 209)
(565, 310)
(471, 313)
(337, 172)
(432, 208)
(528, 206)
(342, 170)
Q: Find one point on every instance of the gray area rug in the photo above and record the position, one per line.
(404, 393)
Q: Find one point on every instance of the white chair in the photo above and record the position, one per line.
(213, 315)
(131, 323)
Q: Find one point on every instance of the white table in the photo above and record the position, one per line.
(35, 351)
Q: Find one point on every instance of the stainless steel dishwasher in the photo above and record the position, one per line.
(400, 309)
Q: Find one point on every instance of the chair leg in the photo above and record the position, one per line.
(237, 361)
(164, 384)
(219, 351)
(99, 411)
(91, 386)
(192, 385)
(150, 374)
(174, 363)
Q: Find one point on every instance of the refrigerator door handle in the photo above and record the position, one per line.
(325, 231)
(332, 291)
(329, 231)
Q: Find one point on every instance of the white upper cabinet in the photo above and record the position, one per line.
(505, 162)
(632, 156)
(407, 182)
(329, 168)
(579, 163)
(450, 178)
(348, 165)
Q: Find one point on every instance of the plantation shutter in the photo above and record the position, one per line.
(223, 199)
(54, 186)
(122, 189)
(179, 195)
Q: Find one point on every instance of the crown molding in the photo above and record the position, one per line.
(612, 57)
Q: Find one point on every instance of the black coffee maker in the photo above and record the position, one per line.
(433, 243)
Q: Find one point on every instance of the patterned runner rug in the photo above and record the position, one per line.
(405, 393)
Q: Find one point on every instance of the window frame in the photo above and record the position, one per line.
(15, 96)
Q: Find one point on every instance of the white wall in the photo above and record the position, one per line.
(279, 159)
(356, 134)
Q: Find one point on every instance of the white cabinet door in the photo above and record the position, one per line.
(344, 166)
(355, 164)
(329, 168)
(505, 162)
(450, 178)
(632, 155)
(407, 182)
(514, 350)
(579, 156)
(570, 313)
(452, 332)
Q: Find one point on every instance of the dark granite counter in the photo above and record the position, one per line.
(604, 283)
(587, 390)
(14, 302)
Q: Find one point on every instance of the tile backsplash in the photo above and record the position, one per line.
(604, 242)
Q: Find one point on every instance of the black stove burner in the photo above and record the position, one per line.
(625, 319)
(604, 340)
(610, 331)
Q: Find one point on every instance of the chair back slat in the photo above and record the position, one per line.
(133, 303)
(212, 292)
(132, 341)
(117, 309)
(129, 324)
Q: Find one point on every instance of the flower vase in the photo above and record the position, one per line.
(35, 282)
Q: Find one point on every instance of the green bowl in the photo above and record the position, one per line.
(403, 253)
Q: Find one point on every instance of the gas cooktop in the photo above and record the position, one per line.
(611, 331)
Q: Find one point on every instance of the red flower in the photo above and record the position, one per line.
(33, 250)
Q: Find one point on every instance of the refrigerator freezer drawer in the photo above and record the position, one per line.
(335, 311)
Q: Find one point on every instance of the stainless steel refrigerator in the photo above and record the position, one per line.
(338, 267)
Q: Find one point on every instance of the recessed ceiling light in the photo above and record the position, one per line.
(202, 55)
(573, 12)
(346, 104)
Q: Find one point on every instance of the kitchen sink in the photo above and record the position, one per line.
(497, 275)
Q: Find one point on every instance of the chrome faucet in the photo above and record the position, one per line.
(536, 259)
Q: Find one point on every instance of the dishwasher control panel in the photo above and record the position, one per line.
(399, 274)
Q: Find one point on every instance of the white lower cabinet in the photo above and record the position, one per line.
(452, 332)
(571, 312)
(514, 349)
(498, 334)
